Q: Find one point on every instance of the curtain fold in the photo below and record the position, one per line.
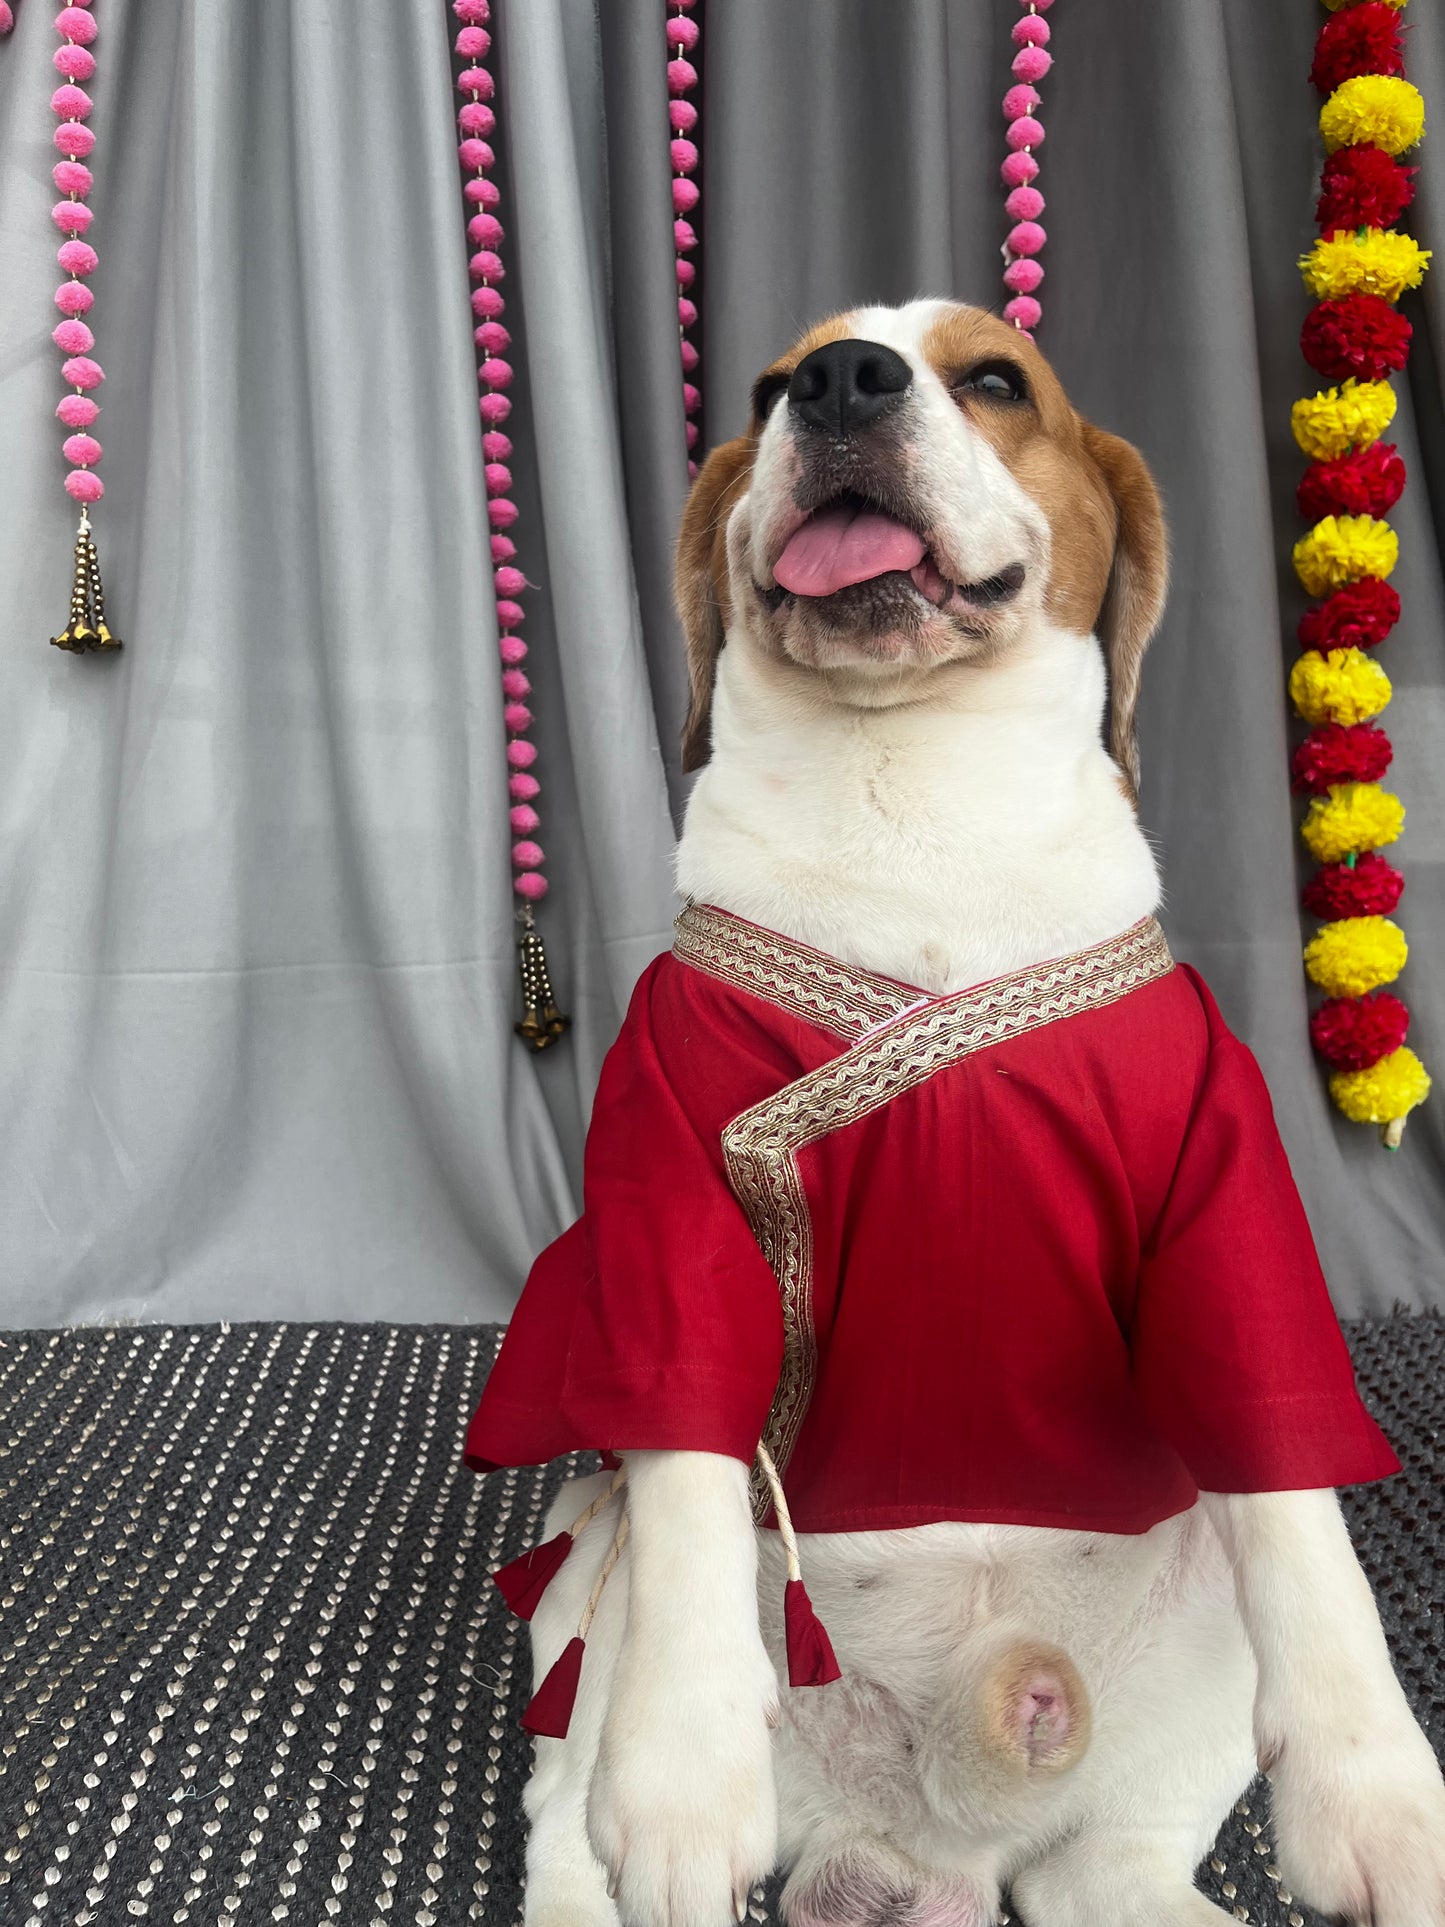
(257, 977)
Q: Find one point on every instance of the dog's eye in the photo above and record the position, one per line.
(766, 390)
(995, 381)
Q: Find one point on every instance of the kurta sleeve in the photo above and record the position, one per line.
(655, 1321)
(1237, 1354)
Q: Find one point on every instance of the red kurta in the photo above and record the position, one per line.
(1028, 1254)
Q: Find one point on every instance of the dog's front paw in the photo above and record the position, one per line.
(682, 1811)
(1360, 1826)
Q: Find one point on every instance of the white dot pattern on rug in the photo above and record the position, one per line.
(252, 1667)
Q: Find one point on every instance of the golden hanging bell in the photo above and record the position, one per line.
(542, 1022)
(86, 628)
(103, 637)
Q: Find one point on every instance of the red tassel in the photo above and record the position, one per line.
(810, 1651)
(523, 1582)
(550, 1710)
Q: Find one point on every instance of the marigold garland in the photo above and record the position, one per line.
(1357, 271)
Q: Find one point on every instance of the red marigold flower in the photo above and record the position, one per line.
(1370, 887)
(1367, 481)
(1351, 1033)
(1355, 334)
(1363, 187)
(1363, 39)
(1355, 617)
(1339, 753)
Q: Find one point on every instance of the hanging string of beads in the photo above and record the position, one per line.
(1023, 275)
(1355, 337)
(683, 34)
(541, 1023)
(86, 629)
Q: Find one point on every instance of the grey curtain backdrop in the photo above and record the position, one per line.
(255, 1017)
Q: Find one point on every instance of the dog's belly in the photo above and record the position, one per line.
(906, 1751)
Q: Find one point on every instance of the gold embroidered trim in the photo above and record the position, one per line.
(796, 978)
(760, 1146)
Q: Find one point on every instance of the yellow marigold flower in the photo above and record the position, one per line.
(1353, 816)
(1384, 1093)
(1339, 419)
(1355, 955)
(1378, 262)
(1342, 548)
(1376, 109)
(1343, 687)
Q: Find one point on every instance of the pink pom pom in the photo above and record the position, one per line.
(488, 301)
(521, 755)
(1024, 311)
(685, 195)
(523, 818)
(487, 265)
(496, 373)
(1027, 238)
(689, 356)
(682, 34)
(7, 18)
(515, 685)
(681, 116)
(77, 411)
(71, 103)
(691, 398)
(476, 13)
(73, 216)
(480, 191)
(84, 450)
(72, 298)
(495, 408)
(72, 177)
(528, 856)
(81, 372)
(74, 139)
(471, 43)
(485, 230)
(686, 311)
(1037, 6)
(531, 884)
(685, 157)
(1030, 32)
(501, 512)
(1024, 204)
(509, 613)
(509, 581)
(1022, 277)
(496, 447)
(693, 434)
(74, 23)
(475, 153)
(78, 257)
(476, 80)
(512, 649)
(523, 787)
(686, 273)
(517, 717)
(1019, 169)
(683, 236)
(503, 548)
(1019, 101)
(73, 338)
(83, 486)
(493, 337)
(473, 117)
(1032, 63)
(681, 76)
(74, 62)
(498, 478)
(1025, 133)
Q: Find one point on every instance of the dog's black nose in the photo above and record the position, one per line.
(844, 385)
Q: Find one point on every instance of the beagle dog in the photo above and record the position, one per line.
(916, 597)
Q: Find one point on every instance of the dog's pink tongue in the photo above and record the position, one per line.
(838, 547)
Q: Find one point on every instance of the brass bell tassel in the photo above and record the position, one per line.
(542, 1023)
(87, 629)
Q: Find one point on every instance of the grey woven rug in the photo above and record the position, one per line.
(252, 1669)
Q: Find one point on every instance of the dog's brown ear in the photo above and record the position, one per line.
(1138, 580)
(701, 584)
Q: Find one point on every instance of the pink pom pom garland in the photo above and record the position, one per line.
(542, 1023)
(683, 35)
(1022, 274)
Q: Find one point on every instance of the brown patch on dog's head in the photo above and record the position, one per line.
(701, 579)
